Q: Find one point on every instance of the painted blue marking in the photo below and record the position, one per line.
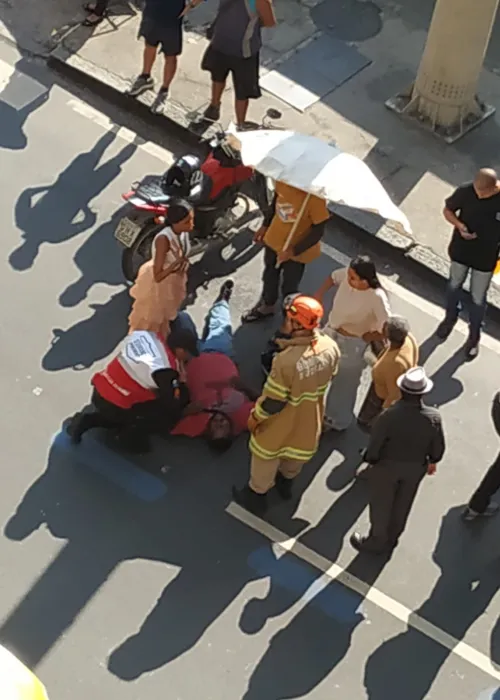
(491, 694)
(113, 467)
(333, 599)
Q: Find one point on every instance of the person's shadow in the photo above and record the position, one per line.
(105, 528)
(469, 580)
(447, 388)
(58, 212)
(92, 339)
(99, 261)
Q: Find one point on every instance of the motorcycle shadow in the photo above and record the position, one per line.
(223, 257)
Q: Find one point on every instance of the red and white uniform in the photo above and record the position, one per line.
(128, 379)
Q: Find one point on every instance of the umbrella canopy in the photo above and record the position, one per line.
(16, 681)
(319, 168)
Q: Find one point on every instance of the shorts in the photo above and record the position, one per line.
(168, 38)
(244, 71)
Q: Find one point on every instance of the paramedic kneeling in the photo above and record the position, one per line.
(139, 389)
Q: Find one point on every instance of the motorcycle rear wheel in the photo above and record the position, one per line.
(133, 258)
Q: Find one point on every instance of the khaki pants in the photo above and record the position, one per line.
(263, 472)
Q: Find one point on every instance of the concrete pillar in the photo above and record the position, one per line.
(444, 92)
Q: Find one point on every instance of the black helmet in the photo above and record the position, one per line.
(182, 176)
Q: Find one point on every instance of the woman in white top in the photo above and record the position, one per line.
(359, 312)
(160, 287)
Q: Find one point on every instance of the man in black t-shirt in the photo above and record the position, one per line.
(474, 212)
(161, 26)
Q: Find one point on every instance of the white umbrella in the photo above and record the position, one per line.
(319, 168)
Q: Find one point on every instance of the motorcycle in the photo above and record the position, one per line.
(214, 189)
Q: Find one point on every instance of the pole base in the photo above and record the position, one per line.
(402, 105)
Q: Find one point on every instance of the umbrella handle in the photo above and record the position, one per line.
(295, 224)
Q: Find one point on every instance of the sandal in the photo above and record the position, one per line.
(256, 314)
(93, 22)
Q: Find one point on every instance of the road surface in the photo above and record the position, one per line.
(118, 583)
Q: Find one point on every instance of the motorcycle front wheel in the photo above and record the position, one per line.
(140, 252)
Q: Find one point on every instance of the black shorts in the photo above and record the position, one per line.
(245, 72)
(168, 38)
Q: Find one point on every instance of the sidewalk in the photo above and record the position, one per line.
(354, 54)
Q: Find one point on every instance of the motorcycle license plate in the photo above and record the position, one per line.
(127, 232)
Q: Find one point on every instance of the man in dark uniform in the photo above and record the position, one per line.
(480, 504)
(406, 442)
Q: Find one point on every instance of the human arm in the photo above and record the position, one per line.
(453, 205)
(437, 446)
(381, 311)
(161, 248)
(172, 393)
(319, 215)
(266, 14)
(268, 212)
(275, 394)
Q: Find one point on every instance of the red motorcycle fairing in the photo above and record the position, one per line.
(223, 178)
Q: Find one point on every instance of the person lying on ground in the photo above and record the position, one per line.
(220, 403)
(139, 388)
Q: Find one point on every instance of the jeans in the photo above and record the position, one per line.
(479, 284)
(288, 275)
(217, 331)
(343, 391)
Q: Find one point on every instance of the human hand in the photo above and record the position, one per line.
(465, 233)
(431, 469)
(259, 234)
(284, 256)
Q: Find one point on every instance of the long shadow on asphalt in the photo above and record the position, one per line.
(465, 588)
(58, 212)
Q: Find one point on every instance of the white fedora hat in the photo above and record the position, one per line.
(415, 381)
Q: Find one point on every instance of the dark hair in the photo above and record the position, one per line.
(183, 339)
(365, 269)
(220, 444)
(178, 210)
(397, 330)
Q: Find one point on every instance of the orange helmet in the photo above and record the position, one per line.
(306, 311)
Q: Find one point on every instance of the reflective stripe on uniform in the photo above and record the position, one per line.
(282, 452)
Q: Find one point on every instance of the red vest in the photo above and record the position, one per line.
(116, 384)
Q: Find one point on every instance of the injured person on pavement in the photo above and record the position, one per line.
(220, 404)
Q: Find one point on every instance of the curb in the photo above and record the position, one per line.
(358, 223)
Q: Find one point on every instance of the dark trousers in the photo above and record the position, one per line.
(101, 6)
(288, 276)
(488, 486)
(393, 488)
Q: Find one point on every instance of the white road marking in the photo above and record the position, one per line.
(418, 302)
(122, 132)
(334, 572)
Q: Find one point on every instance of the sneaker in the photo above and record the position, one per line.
(212, 113)
(158, 106)
(226, 291)
(444, 329)
(469, 514)
(141, 84)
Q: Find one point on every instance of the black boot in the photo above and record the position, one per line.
(256, 503)
(284, 486)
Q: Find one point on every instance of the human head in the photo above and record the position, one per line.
(180, 216)
(183, 343)
(396, 330)
(303, 314)
(219, 432)
(486, 183)
(362, 274)
(414, 383)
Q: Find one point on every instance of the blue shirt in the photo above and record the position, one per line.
(165, 12)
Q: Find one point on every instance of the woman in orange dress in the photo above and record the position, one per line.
(160, 287)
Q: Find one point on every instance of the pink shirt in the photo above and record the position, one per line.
(208, 368)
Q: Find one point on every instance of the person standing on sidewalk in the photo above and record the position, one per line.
(406, 443)
(480, 503)
(303, 217)
(285, 425)
(161, 27)
(235, 42)
(474, 212)
(359, 312)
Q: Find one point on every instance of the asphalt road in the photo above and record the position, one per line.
(117, 583)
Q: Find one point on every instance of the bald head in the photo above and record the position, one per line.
(486, 183)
